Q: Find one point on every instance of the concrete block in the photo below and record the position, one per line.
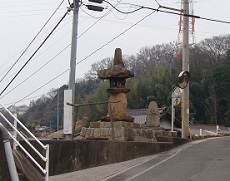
(94, 124)
(124, 124)
(119, 132)
(171, 133)
(129, 134)
(105, 125)
(150, 134)
(104, 131)
(136, 126)
(159, 132)
(83, 131)
(97, 133)
(89, 133)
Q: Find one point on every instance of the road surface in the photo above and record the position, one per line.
(205, 160)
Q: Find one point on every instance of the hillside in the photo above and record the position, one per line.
(156, 70)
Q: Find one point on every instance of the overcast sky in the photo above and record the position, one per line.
(21, 20)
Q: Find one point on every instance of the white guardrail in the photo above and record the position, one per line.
(16, 132)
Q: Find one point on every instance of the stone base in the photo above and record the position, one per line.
(125, 118)
(123, 131)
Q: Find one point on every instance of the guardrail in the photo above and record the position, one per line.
(16, 132)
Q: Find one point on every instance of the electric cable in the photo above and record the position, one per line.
(35, 51)
(187, 15)
(36, 71)
(15, 5)
(123, 12)
(50, 47)
(58, 53)
(32, 41)
(125, 15)
(116, 37)
(157, 2)
(3, 72)
(42, 86)
(88, 56)
(113, 6)
(142, 7)
(169, 12)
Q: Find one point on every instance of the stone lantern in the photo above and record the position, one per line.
(117, 125)
(117, 75)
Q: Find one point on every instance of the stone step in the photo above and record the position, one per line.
(26, 167)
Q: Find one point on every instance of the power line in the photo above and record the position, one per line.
(48, 48)
(155, 10)
(31, 41)
(94, 22)
(157, 2)
(35, 51)
(36, 71)
(54, 57)
(187, 15)
(42, 86)
(29, 5)
(115, 37)
(123, 12)
(88, 55)
(168, 12)
(60, 51)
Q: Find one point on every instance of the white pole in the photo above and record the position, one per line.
(9, 154)
(15, 125)
(47, 163)
(57, 111)
(185, 67)
(200, 132)
(217, 129)
(173, 113)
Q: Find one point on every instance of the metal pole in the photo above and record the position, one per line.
(185, 67)
(73, 58)
(173, 115)
(16, 126)
(47, 162)
(217, 129)
(57, 111)
(9, 154)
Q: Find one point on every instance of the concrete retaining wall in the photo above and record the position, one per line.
(68, 156)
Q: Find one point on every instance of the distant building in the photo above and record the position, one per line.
(165, 122)
(165, 117)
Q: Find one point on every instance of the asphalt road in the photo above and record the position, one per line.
(205, 160)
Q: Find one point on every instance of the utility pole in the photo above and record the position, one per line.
(185, 67)
(69, 95)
